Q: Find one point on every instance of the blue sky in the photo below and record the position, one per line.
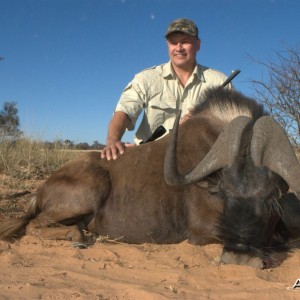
(67, 61)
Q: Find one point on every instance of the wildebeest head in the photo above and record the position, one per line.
(258, 164)
(252, 209)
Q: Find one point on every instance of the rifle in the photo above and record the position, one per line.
(234, 73)
(158, 132)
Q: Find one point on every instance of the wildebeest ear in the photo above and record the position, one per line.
(211, 183)
(270, 147)
(210, 186)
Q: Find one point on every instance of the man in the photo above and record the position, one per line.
(163, 90)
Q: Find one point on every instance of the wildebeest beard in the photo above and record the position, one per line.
(251, 220)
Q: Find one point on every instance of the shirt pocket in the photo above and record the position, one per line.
(161, 109)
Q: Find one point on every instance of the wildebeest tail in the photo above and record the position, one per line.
(11, 228)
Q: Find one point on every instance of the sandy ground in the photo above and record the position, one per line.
(32, 268)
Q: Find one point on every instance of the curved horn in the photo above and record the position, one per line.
(271, 147)
(223, 152)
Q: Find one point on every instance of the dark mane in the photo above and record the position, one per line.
(227, 104)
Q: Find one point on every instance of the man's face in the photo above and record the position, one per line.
(182, 49)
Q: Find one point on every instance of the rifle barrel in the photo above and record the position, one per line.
(230, 78)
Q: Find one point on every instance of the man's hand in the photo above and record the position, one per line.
(188, 115)
(114, 149)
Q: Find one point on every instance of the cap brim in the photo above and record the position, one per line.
(179, 30)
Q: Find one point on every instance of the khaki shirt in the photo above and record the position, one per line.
(159, 93)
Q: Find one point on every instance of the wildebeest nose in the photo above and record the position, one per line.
(242, 259)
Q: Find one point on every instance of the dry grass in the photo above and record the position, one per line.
(30, 159)
(23, 165)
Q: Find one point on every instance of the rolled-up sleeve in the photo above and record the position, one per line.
(131, 102)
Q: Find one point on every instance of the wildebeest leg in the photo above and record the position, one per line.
(203, 214)
(44, 227)
(68, 201)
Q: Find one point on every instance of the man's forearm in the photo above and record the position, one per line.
(117, 126)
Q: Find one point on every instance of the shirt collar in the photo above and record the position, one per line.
(169, 73)
(199, 72)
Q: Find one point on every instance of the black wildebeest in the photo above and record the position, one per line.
(237, 167)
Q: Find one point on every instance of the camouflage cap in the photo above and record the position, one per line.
(183, 25)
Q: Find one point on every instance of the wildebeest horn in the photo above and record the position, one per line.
(270, 147)
(222, 153)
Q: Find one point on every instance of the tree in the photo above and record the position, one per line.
(280, 93)
(9, 120)
(68, 143)
(83, 146)
(97, 146)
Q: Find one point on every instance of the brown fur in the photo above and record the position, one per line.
(128, 198)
